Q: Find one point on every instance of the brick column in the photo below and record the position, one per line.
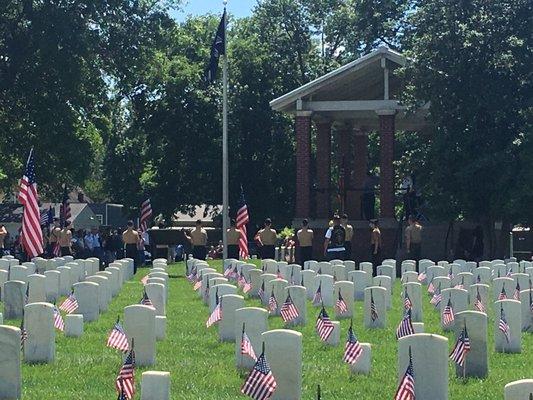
(360, 169)
(323, 168)
(345, 132)
(303, 164)
(386, 179)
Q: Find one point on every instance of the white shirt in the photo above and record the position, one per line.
(328, 236)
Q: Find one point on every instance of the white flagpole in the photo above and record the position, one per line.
(225, 173)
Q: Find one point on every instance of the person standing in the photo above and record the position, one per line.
(198, 239)
(54, 237)
(65, 239)
(130, 237)
(305, 241)
(375, 245)
(477, 244)
(267, 238)
(335, 239)
(233, 240)
(413, 239)
(93, 245)
(3, 234)
(349, 235)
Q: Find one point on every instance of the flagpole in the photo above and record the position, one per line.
(225, 174)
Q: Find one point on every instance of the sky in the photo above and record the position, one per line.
(238, 8)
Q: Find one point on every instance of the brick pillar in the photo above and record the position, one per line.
(323, 168)
(360, 169)
(345, 132)
(386, 179)
(303, 164)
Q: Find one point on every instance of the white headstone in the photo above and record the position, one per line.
(387, 270)
(277, 286)
(507, 284)
(255, 321)
(255, 281)
(346, 291)
(361, 280)
(325, 268)
(37, 288)
(526, 301)
(51, 284)
(459, 302)
(226, 326)
(414, 291)
(386, 282)
(160, 327)
(10, 365)
(367, 267)
(104, 295)
(298, 296)
(482, 275)
(364, 362)
(476, 361)
(116, 280)
(39, 346)
(339, 272)
(410, 276)
(519, 390)
(3, 279)
(434, 271)
(73, 325)
(157, 295)
(19, 273)
(155, 385)
(378, 295)
(513, 316)
(309, 282)
(326, 287)
(484, 294)
(64, 280)
(219, 290)
(87, 295)
(14, 292)
(139, 325)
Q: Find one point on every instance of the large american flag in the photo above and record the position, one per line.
(260, 383)
(125, 380)
(70, 304)
(405, 327)
(406, 390)
(241, 220)
(246, 346)
(65, 212)
(340, 304)
(317, 298)
(324, 326)
(58, 320)
(117, 338)
(447, 314)
(216, 315)
(461, 349)
(503, 326)
(352, 349)
(288, 311)
(502, 295)
(146, 214)
(478, 302)
(31, 236)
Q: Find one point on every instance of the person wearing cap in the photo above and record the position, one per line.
(267, 240)
(233, 240)
(198, 239)
(305, 241)
(375, 245)
(53, 237)
(413, 238)
(130, 237)
(65, 239)
(335, 239)
(349, 235)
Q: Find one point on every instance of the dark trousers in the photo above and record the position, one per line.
(306, 254)
(414, 252)
(376, 259)
(335, 255)
(65, 251)
(348, 251)
(131, 252)
(268, 251)
(233, 251)
(199, 252)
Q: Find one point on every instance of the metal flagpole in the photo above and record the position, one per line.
(225, 177)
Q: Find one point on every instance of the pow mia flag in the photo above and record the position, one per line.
(217, 49)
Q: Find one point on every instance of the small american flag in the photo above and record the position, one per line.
(407, 304)
(23, 334)
(530, 301)
(288, 311)
(373, 309)
(278, 274)
(450, 274)
(437, 298)
(447, 314)
(198, 283)
(406, 390)
(317, 298)
(144, 280)
(216, 315)
(324, 326)
(516, 294)
(70, 304)
(121, 394)
(261, 291)
(241, 280)
(422, 277)
(272, 303)
(340, 304)
(246, 346)
(460, 285)
(260, 383)
(117, 338)
(431, 288)
(352, 349)
(405, 327)
(509, 273)
(503, 326)
(502, 295)
(478, 303)
(461, 349)
(47, 217)
(228, 273)
(246, 287)
(193, 275)
(58, 320)
(145, 300)
(125, 381)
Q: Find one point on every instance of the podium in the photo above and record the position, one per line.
(162, 239)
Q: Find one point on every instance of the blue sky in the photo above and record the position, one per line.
(238, 8)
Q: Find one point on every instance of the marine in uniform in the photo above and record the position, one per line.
(267, 239)
(375, 245)
(233, 237)
(335, 239)
(413, 239)
(305, 240)
(130, 237)
(349, 235)
(65, 239)
(198, 239)
(54, 237)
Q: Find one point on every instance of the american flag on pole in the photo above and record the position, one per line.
(261, 291)
(64, 210)
(502, 295)
(288, 311)
(121, 394)
(117, 338)
(272, 303)
(145, 300)
(246, 345)
(31, 236)
(373, 309)
(405, 327)
(70, 304)
(260, 383)
(47, 217)
(503, 326)
(422, 276)
(125, 380)
(23, 333)
(317, 298)
(461, 349)
(352, 349)
(406, 390)
(450, 274)
(530, 301)
(246, 287)
(407, 304)
(431, 288)
(146, 214)
(216, 315)
(324, 326)
(340, 304)
(447, 314)
(198, 283)
(460, 285)
(58, 320)
(516, 294)
(241, 220)
(478, 302)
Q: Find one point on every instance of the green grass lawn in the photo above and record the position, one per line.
(202, 368)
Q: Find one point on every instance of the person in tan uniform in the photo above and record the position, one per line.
(305, 241)
(375, 245)
(198, 239)
(233, 240)
(413, 239)
(65, 239)
(267, 238)
(130, 237)
(53, 239)
(3, 234)
(348, 239)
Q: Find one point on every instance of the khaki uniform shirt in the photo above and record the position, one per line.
(376, 237)
(268, 236)
(233, 236)
(305, 237)
(3, 234)
(199, 237)
(130, 236)
(414, 232)
(65, 237)
(54, 234)
(349, 232)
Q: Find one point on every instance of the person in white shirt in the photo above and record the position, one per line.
(334, 240)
